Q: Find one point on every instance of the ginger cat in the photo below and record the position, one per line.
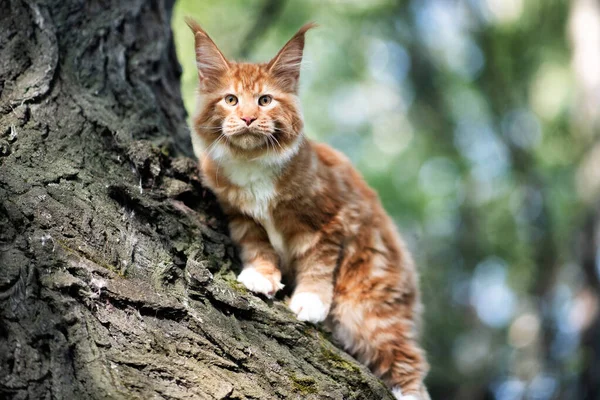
(298, 209)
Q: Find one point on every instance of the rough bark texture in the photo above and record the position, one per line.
(116, 271)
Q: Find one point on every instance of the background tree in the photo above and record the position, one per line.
(477, 122)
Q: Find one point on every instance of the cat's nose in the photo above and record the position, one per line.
(248, 120)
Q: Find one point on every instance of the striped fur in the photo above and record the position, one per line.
(299, 212)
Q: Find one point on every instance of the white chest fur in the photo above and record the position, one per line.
(275, 238)
(257, 187)
(256, 182)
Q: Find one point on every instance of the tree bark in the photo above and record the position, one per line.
(116, 271)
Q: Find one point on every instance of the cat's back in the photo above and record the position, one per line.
(329, 156)
(342, 167)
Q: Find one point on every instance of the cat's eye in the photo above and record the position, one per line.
(231, 100)
(264, 100)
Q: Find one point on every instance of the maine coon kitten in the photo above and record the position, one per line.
(299, 209)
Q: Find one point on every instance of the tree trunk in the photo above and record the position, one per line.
(589, 255)
(116, 271)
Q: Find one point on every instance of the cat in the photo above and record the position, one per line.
(299, 210)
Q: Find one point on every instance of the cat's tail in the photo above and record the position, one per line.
(391, 352)
(402, 366)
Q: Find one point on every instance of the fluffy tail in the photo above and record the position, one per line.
(402, 366)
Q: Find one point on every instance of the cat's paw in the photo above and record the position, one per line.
(399, 396)
(258, 283)
(309, 307)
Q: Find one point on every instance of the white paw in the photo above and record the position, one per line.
(399, 396)
(309, 307)
(258, 283)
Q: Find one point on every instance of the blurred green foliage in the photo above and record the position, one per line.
(464, 116)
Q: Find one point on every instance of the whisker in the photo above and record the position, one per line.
(212, 147)
(213, 144)
(226, 139)
(268, 142)
(276, 141)
(280, 130)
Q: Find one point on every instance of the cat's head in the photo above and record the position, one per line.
(245, 109)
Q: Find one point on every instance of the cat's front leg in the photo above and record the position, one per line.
(260, 273)
(313, 294)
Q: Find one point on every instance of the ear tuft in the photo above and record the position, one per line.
(209, 59)
(285, 66)
(194, 25)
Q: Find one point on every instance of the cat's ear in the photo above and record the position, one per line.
(210, 61)
(285, 66)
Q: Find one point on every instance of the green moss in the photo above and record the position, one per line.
(237, 286)
(165, 151)
(333, 359)
(232, 282)
(303, 384)
(336, 361)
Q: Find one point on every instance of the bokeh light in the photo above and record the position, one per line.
(477, 122)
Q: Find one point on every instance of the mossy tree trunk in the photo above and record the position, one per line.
(116, 271)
